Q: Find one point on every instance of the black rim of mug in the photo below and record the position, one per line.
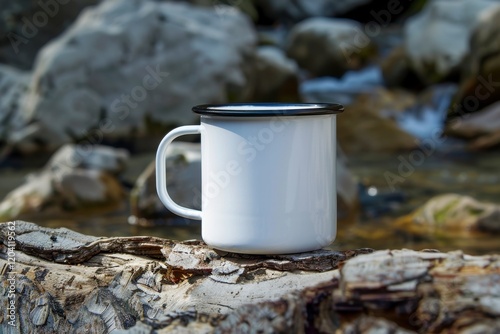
(268, 109)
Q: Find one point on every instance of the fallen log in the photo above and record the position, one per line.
(63, 281)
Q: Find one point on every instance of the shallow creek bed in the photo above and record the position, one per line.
(63, 281)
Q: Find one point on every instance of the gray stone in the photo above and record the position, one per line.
(97, 157)
(84, 186)
(276, 75)
(481, 68)
(13, 85)
(70, 183)
(124, 61)
(437, 39)
(329, 47)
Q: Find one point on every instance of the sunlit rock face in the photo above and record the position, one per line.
(437, 39)
(125, 63)
(77, 179)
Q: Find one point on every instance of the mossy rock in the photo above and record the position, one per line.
(452, 215)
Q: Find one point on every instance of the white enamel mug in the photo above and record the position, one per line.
(268, 176)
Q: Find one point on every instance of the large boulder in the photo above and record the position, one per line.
(125, 64)
(329, 47)
(76, 180)
(27, 25)
(436, 39)
(481, 68)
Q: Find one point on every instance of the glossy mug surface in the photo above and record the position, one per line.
(268, 176)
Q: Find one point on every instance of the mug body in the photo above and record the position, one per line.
(268, 182)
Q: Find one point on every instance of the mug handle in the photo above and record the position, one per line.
(161, 179)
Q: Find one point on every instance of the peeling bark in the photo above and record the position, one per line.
(68, 282)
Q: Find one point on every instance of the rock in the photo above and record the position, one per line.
(30, 197)
(71, 183)
(54, 195)
(184, 185)
(276, 76)
(397, 70)
(480, 69)
(96, 157)
(152, 56)
(370, 124)
(329, 47)
(452, 215)
(84, 189)
(481, 128)
(13, 85)
(436, 39)
(28, 25)
(297, 10)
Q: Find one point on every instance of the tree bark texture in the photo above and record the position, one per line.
(66, 282)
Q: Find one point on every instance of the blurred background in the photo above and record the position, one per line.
(88, 88)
